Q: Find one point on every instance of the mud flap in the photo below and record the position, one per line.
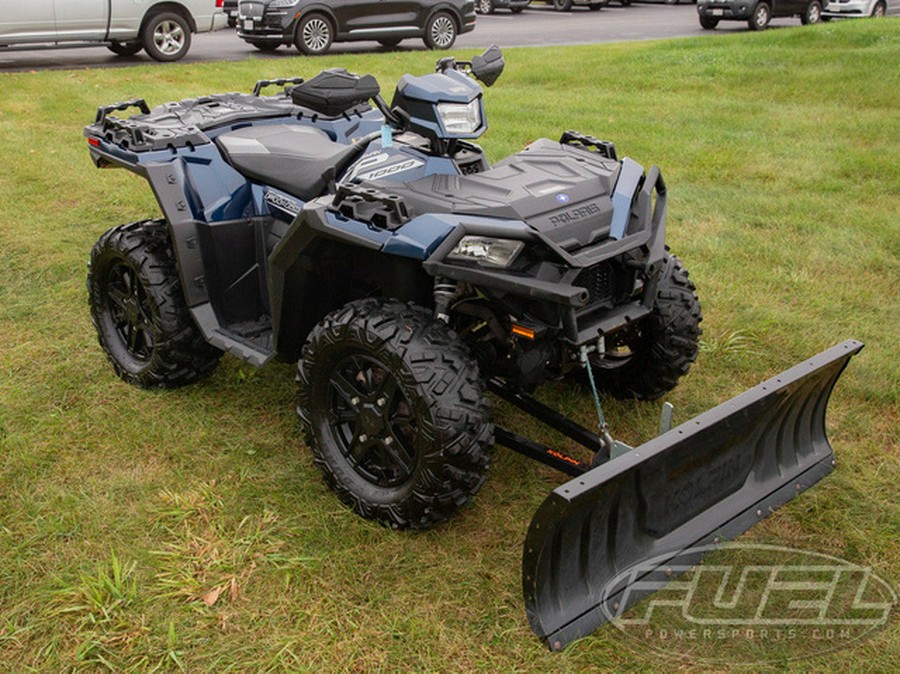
(710, 478)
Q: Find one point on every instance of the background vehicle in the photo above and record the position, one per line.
(377, 246)
(853, 9)
(162, 29)
(231, 11)
(490, 6)
(313, 26)
(566, 5)
(757, 13)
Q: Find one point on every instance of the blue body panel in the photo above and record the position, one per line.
(421, 236)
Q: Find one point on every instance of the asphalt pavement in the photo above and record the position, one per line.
(539, 26)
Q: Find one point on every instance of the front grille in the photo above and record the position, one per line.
(251, 10)
(599, 280)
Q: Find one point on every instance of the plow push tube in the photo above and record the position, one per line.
(710, 478)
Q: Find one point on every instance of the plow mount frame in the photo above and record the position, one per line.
(705, 481)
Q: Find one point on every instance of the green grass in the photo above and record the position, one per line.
(189, 530)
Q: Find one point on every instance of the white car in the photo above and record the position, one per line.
(162, 29)
(853, 8)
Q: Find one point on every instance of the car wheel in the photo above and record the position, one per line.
(760, 18)
(314, 34)
(266, 46)
(878, 10)
(484, 6)
(440, 31)
(813, 13)
(562, 5)
(166, 36)
(389, 44)
(125, 48)
(394, 413)
(138, 309)
(708, 22)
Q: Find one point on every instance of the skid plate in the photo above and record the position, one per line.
(710, 478)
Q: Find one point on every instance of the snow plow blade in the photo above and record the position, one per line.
(709, 479)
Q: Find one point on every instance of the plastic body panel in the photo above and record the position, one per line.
(709, 479)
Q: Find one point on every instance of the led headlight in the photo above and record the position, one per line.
(282, 3)
(460, 117)
(486, 251)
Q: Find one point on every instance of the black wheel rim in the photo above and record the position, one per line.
(130, 311)
(372, 421)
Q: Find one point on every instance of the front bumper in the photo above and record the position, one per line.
(583, 319)
(741, 10)
(256, 24)
(847, 8)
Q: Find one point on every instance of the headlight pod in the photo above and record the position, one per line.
(486, 251)
(460, 117)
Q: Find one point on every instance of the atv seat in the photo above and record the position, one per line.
(291, 157)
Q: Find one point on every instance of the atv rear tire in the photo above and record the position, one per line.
(138, 309)
(394, 413)
(646, 360)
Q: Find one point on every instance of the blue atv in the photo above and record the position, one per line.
(375, 245)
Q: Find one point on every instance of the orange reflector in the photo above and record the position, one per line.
(527, 333)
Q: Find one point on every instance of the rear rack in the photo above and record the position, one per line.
(184, 123)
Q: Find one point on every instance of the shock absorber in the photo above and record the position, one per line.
(445, 291)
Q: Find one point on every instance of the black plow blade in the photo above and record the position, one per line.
(709, 479)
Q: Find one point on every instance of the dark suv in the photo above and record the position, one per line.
(757, 13)
(313, 26)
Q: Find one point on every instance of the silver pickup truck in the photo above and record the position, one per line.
(162, 29)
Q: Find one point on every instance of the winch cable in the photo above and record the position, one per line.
(601, 420)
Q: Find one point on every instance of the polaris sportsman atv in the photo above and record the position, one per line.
(376, 245)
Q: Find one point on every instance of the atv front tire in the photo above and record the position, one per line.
(138, 309)
(394, 413)
(646, 359)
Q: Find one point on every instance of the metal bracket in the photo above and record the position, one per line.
(665, 417)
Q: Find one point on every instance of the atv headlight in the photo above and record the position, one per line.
(486, 251)
(460, 117)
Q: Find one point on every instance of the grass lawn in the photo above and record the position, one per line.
(189, 529)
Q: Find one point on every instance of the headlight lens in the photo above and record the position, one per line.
(486, 251)
(460, 117)
(283, 3)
